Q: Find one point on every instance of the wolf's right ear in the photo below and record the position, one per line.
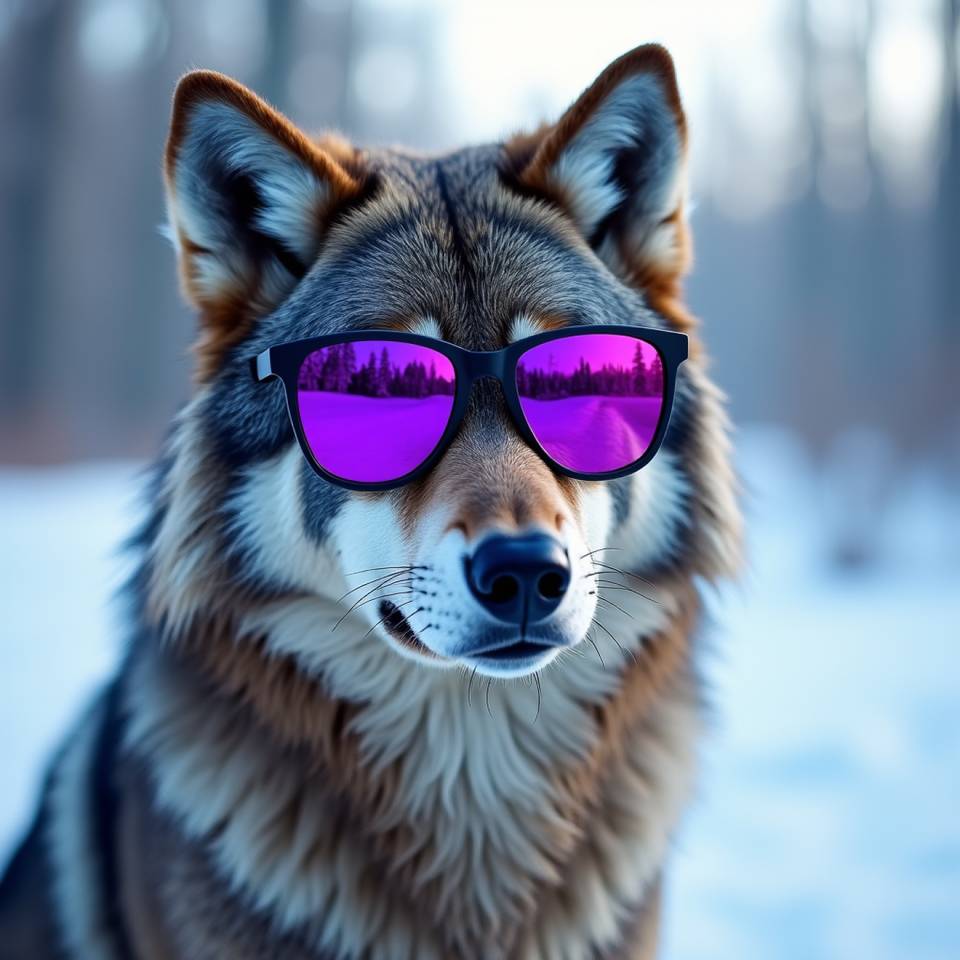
(249, 197)
(615, 163)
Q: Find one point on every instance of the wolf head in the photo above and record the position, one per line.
(282, 237)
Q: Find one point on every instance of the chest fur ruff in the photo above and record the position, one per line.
(440, 821)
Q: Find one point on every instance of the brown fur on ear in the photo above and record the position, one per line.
(649, 58)
(249, 279)
(652, 256)
(661, 280)
(204, 85)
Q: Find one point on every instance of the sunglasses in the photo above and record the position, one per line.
(375, 409)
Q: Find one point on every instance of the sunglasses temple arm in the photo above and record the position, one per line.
(260, 365)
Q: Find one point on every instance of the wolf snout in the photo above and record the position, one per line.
(519, 579)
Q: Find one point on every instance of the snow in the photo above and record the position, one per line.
(60, 531)
(620, 429)
(371, 439)
(827, 821)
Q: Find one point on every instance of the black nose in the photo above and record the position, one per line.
(519, 579)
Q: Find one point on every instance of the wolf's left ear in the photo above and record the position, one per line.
(249, 198)
(615, 162)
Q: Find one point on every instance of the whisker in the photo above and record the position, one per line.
(377, 624)
(616, 606)
(590, 553)
(383, 577)
(613, 585)
(382, 620)
(621, 586)
(597, 623)
(473, 673)
(536, 678)
(384, 596)
(590, 640)
(486, 696)
(395, 566)
(624, 573)
(369, 593)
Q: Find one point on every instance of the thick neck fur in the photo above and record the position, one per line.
(417, 814)
(419, 826)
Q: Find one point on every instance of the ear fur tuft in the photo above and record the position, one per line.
(615, 162)
(249, 197)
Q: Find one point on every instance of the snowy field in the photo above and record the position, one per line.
(620, 429)
(828, 821)
(368, 439)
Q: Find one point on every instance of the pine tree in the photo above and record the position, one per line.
(370, 376)
(655, 377)
(348, 366)
(311, 372)
(640, 376)
(331, 368)
(523, 387)
(384, 374)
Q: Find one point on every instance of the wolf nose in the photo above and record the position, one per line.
(519, 579)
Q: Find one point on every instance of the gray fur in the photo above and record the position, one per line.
(452, 239)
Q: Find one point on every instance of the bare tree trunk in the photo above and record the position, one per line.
(948, 204)
(946, 227)
(31, 71)
(275, 72)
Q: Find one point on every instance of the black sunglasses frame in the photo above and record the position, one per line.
(284, 361)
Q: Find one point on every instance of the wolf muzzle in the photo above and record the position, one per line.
(520, 579)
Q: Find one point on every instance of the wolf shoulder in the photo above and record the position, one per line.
(50, 888)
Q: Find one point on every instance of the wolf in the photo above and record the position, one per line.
(302, 754)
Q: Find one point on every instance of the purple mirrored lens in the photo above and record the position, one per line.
(593, 401)
(373, 410)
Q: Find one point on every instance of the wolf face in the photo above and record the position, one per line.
(282, 238)
(293, 745)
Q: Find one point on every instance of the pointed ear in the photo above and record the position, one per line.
(249, 197)
(615, 162)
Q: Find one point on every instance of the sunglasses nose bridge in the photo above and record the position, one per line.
(489, 371)
(478, 368)
(481, 364)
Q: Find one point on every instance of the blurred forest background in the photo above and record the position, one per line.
(826, 183)
(826, 177)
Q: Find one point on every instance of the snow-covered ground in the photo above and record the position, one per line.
(828, 821)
